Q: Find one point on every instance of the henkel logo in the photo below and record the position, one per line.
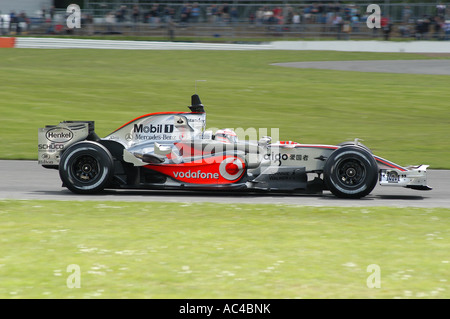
(197, 174)
(59, 135)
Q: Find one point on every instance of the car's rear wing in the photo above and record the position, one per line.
(54, 139)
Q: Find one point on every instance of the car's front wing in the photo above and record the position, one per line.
(391, 174)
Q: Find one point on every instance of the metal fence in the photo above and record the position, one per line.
(257, 20)
(242, 11)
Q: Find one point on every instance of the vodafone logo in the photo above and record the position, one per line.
(218, 170)
(231, 168)
(197, 174)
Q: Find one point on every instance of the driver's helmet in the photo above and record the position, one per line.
(226, 136)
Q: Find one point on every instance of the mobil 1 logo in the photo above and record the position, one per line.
(153, 132)
(158, 128)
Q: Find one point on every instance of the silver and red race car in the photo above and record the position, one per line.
(173, 150)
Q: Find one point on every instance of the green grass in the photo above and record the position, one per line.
(169, 250)
(402, 117)
(201, 250)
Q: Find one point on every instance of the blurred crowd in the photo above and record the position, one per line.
(341, 20)
(14, 22)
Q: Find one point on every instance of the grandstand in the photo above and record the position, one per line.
(248, 20)
(29, 7)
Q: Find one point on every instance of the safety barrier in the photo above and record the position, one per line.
(361, 46)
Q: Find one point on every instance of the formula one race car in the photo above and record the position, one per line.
(172, 150)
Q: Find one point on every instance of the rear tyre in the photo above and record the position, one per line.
(86, 168)
(351, 172)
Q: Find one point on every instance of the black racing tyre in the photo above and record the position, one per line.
(86, 167)
(351, 172)
(352, 143)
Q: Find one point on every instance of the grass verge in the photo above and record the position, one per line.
(202, 250)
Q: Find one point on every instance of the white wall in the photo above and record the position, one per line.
(30, 7)
(367, 46)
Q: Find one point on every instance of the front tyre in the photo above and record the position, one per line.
(351, 172)
(86, 167)
(353, 143)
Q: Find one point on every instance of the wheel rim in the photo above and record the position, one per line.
(85, 169)
(351, 172)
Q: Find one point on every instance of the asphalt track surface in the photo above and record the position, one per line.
(26, 180)
(436, 67)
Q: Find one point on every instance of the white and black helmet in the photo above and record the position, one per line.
(226, 136)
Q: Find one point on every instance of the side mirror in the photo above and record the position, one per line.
(162, 149)
(264, 141)
(181, 123)
(207, 135)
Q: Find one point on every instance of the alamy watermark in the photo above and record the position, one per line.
(374, 19)
(73, 21)
(74, 279)
(374, 279)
